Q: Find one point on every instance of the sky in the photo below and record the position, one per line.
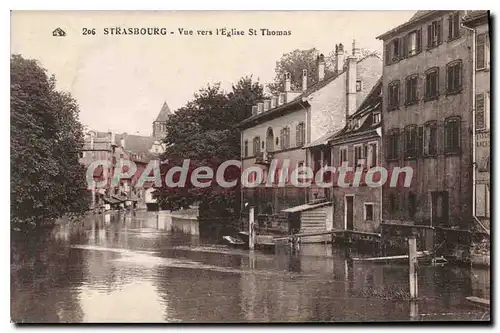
(122, 81)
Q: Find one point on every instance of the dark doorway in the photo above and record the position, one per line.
(440, 208)
(349, 212)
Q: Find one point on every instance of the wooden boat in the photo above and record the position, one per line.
(234, 242)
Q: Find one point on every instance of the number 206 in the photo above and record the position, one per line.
(86, 31)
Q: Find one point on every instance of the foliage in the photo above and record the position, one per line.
(204, 131)
(47, 180)
(297, 60)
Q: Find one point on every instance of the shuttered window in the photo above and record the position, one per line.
(452, 135)
(430, 138)
(392, 144)
(256, 145)
(454, 26)
(410, 141)
(454, 77)
(434, 34)
(480, 111)
(411, 89)
(300, 134)
(393, 95)
(431, 83)
(481, 51)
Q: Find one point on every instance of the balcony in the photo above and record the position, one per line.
(264, 158)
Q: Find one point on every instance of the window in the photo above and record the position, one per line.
(481, 51)
(392, 51)
(454, 77)
(358, 85)
(480, 114)
(393, 96)
(246, 149)
(452, 135)
(377, 118)
(285, 138)
(359, 155)
(300, 134)
(411, 89)
(262, 145)
(369, 215)
(410, 141)
(372, 155)
(395, 49)
(454, 26)
(254, 110)
(413, 42)
(430, 138)
(412, 204)
(256, 145)
(343, 155)
(393, 144)
(431, 84)
(434, 34)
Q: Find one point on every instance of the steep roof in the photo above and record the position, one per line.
(298, 99)
(135, 143)
(372, 102)
(164, 113)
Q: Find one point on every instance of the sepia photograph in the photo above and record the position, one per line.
(250, 166)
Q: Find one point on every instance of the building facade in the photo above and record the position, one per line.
(478, 21)
(427, 120)
(282, 126)
(358, 144)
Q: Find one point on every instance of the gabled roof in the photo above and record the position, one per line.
(164, 113)
(372, 102)
(299, 99)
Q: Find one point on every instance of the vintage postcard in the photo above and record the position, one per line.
(250, 166)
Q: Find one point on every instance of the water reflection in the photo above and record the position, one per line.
(128, 267)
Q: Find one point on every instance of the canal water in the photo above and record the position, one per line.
(128, 268)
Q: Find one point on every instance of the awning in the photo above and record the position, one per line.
(304, 207)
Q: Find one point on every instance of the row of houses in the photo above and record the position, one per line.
(115, 148)
(424, 105)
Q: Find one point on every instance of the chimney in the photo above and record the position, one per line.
(321, 66)
(351, 85)
(304, 79)
(288, 82)
(355, 51)
(339, 58)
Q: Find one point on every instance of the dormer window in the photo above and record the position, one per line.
(281, 99)
(274, 101)
(267, 105)
(254, 110)
(358, 85)
(377, 118)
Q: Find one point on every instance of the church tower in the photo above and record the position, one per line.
(160, 124)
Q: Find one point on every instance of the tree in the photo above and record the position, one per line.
(297, 60)
(204, 131)
(294, 62)
(47, 181)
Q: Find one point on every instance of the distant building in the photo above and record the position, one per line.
(116, 147)
(160, 124)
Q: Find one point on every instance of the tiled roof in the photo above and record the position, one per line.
(135, 143)
(313, 88)
(164, 113)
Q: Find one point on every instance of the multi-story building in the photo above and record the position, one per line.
(116, 147)
(478, 22)
(358, 144)
(282, 126)
(427, 120)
